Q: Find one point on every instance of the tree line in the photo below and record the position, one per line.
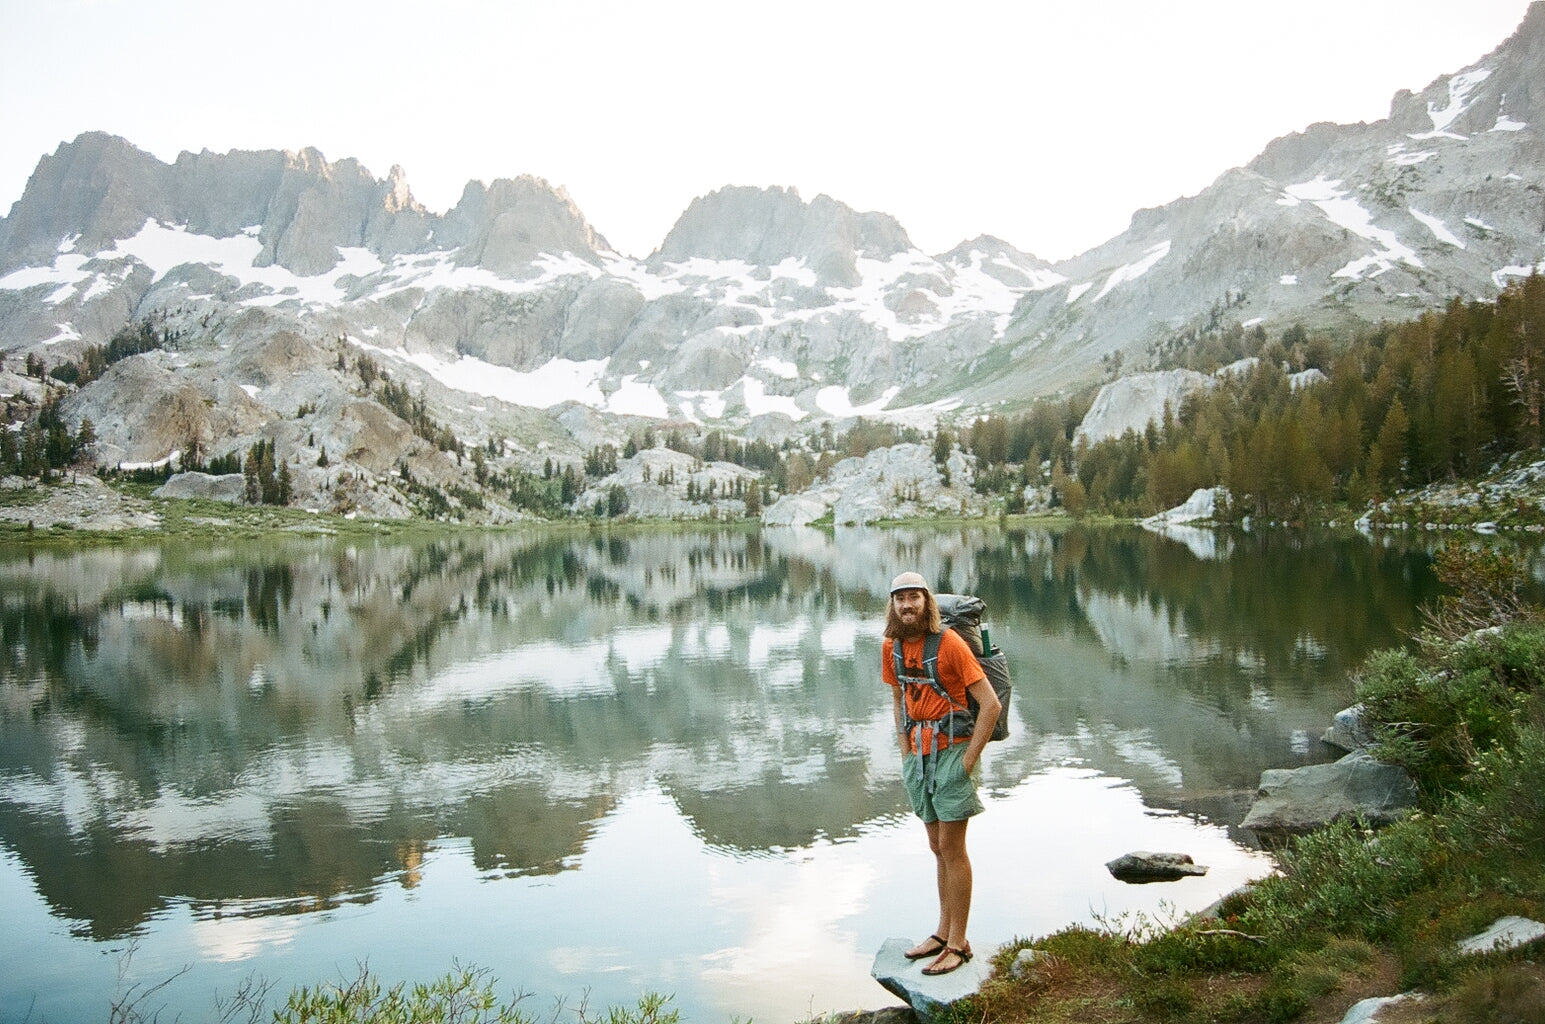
(1441, 397)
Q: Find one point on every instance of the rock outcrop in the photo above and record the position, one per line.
(1135, 401)
(894, 482)
(1298, 800)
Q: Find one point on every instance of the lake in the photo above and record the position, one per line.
(603, 764)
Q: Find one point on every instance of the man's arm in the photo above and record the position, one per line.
(901, 736)
(987, 711)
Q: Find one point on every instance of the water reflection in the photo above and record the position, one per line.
(263, 730)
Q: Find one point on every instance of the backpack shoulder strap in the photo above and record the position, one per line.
(931, 646)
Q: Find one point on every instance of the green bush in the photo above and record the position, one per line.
(1507, 807)
(1435, 718)
(1204, 949)
(1347, 881)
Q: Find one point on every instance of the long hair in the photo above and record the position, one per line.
(933, 622)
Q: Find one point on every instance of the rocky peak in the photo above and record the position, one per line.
(1501, 89)
(94, 190)
(317, 208)
(399, 198)
(504, 226)
(988, 245)
(221, 194)
(764, 227)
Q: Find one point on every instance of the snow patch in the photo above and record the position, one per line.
(1331, 198)
(1500, 275)
(1400, 158)
(1132, 271)
(63, 332)
(838, 401)
(760, 403)
(634, 397)
(1439, 230)
(1459, 89)
(560, 380)
(779, 367)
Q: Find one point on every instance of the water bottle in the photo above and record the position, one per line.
(986, 642)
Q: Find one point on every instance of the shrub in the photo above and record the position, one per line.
(1435, 719)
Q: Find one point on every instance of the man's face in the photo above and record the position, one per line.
(910, 605)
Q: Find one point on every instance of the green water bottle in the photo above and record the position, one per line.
(986, 641)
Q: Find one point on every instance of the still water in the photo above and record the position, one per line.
(602, 765)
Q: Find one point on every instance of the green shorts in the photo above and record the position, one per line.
(938, 786)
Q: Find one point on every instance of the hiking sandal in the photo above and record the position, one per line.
(963, 955)
(940, 948)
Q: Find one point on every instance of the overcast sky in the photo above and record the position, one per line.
(1044, 123)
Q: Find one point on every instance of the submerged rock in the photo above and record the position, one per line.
(1141, 866)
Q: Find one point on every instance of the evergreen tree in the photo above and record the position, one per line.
(1391, 444)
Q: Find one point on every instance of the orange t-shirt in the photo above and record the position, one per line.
(958, 669)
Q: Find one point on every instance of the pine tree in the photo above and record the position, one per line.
(1391, 444)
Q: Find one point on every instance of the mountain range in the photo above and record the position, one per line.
(761, 313)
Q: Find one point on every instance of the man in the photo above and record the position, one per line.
(940, 749)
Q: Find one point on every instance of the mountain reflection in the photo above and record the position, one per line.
(266, 728)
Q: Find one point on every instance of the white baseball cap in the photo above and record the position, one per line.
(909, 581)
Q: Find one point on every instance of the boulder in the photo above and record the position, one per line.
(1201, 506)
(1299, 800)
(1141, 866)
(230, 487)
(1034, 966)
(1136, 400)
(1348, 730)
(928, 996)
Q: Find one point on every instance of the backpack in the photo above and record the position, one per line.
(963, 614)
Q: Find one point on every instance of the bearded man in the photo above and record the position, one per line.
(941, 746)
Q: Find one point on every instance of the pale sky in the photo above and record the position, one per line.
(1043, 123)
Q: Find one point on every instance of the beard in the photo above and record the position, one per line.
(899, 627)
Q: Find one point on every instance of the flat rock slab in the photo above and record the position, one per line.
(1366, 1011)
(928, 996)
(1506, 933)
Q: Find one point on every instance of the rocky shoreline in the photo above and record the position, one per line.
(1288, 802)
